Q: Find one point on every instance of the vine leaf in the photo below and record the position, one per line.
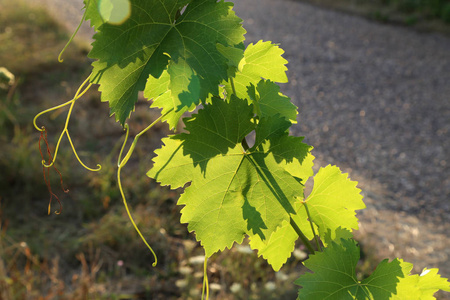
(333, 201)
(279, 247)
(334, 275)
(215, 129)
(234, 54)
(421, 287)
(337, 236)
(93, 14)
(261, 60)
(332, 204)
(269, 101)
(232, 192)
(289, 151)
(294, 157)
(159, 91)
(156, 38)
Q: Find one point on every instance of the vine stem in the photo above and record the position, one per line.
(80, 92)
(302, 236)
(121, 163)
(312, 226)
(232, 86)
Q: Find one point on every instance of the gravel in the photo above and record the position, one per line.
(374, 99)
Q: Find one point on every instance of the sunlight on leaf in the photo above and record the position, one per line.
(114, 11)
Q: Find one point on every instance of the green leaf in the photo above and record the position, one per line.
(240, 194)
(294, 157)
(261, 60)
(334, 275)
(327, 204)
(333, 201)
(158, 90)
(279, 247)
(214, 130)
(270, 101)
(234, 55)
(157, 38)
(337, 236)
(217, 128)
(93, 14)
(289, 151)
(232, 192)
(302, 171)
(421, 287)
(114, 11)
(172, 167)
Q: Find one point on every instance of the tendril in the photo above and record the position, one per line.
(205, 280)
(80, 92)
(74, 34)
(121, 163)
(99, 167)
(123, 145)
(47, 111)
(46, 172)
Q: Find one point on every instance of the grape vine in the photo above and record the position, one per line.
(243, 173)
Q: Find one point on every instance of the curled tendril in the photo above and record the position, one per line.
(205, 287)
(74, 34)
(121, 163)
(80, 92)
(99, 167)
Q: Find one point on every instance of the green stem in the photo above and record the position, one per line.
(205, 288)
(127, 128)
(232, 86)
(302, 236)
(312, 226)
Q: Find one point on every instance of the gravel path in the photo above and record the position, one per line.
(373, 99)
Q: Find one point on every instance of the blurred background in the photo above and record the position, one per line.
(370, 78)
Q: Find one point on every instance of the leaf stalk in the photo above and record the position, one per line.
(302, 236)
(232, 86)
(205, 287)
(319, 248)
